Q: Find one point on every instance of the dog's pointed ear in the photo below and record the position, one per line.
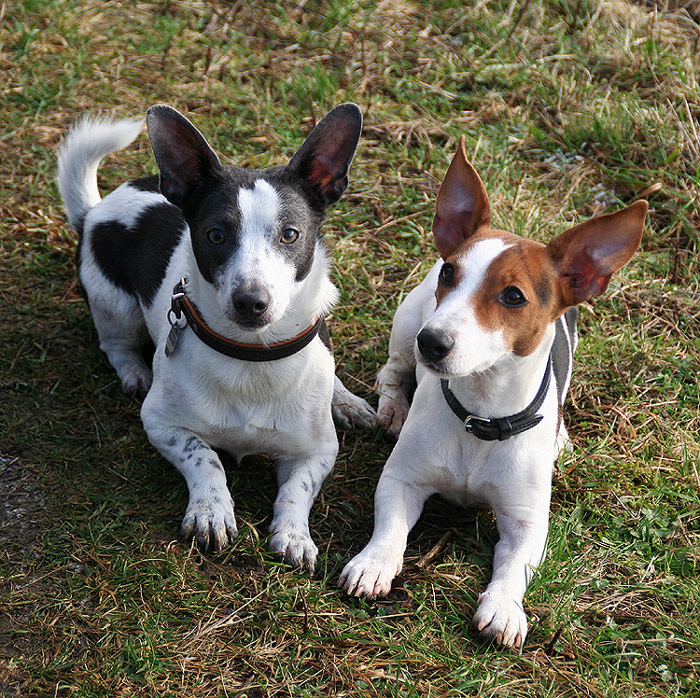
(325, 156)
(462, 204)
(183, 155)
(587, 255)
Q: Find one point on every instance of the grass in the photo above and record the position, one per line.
(569, 109)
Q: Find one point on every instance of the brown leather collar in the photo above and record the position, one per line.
(185, 313)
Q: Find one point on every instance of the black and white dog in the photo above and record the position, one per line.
(225, 270)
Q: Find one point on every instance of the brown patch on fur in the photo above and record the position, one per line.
(526, 264)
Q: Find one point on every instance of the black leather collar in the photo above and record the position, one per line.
(183, 312)
(500, 428)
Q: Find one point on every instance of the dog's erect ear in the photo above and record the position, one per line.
(586, 255)
(325, 156)
(462, 204)
(183, 156)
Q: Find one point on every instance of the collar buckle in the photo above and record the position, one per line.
(473, 418)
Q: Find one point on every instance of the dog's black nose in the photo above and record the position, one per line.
(250, 303)
(434, 345)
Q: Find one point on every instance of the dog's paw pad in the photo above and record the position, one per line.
(368, 576)
(500, 619)
(353, 413)
(211, 522)
(294, 548)
(391, 415)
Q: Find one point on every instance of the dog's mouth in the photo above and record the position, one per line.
(252, 325)
(435, 368)
(441, 371)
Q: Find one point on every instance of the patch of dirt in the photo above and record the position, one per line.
(21, 503)
(23, 518)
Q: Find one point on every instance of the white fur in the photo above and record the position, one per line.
(200, 400)
(80, 155)
(434, 453)
(125, 204)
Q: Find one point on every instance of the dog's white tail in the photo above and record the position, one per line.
(79, 157)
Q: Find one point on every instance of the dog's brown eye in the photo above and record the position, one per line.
(289, 236)
(447, 274)
(513, 297)
(215, 236)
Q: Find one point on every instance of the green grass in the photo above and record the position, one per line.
(569, 109)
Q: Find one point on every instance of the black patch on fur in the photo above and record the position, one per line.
(135, 259)
(298, 211)
(146, 183)
(325, 335)
(562, 349)
(192, 443)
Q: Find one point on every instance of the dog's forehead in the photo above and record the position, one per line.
(496, 254)
(476, 259)
(259, 205)
(474, 262)
(261, 198)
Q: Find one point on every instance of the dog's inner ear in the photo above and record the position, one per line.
(325, 156)
(587, 255)
(183, 155)
(462, 204)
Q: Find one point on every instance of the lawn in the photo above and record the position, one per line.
(569, 109)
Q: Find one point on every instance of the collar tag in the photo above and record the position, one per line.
(171, 340)
(176, 318)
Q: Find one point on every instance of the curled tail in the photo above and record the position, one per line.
(80, 155)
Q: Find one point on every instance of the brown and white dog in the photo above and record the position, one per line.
(489, 337)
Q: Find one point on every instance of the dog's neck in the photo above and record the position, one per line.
(508, 386)
(313, 298)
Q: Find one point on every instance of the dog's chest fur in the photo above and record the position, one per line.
(247, 409)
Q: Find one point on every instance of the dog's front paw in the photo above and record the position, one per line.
(352, 412)
(294, 548)
(500, 619)
(136, 382)
(392, 414)
(369, 575)
(210, 521)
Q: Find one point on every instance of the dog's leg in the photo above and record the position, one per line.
(397, 380)
(398, 505)
(299, 480)
(122, 334)
(209, 518)
(521, 547)
(395, 383)
(349, 410)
